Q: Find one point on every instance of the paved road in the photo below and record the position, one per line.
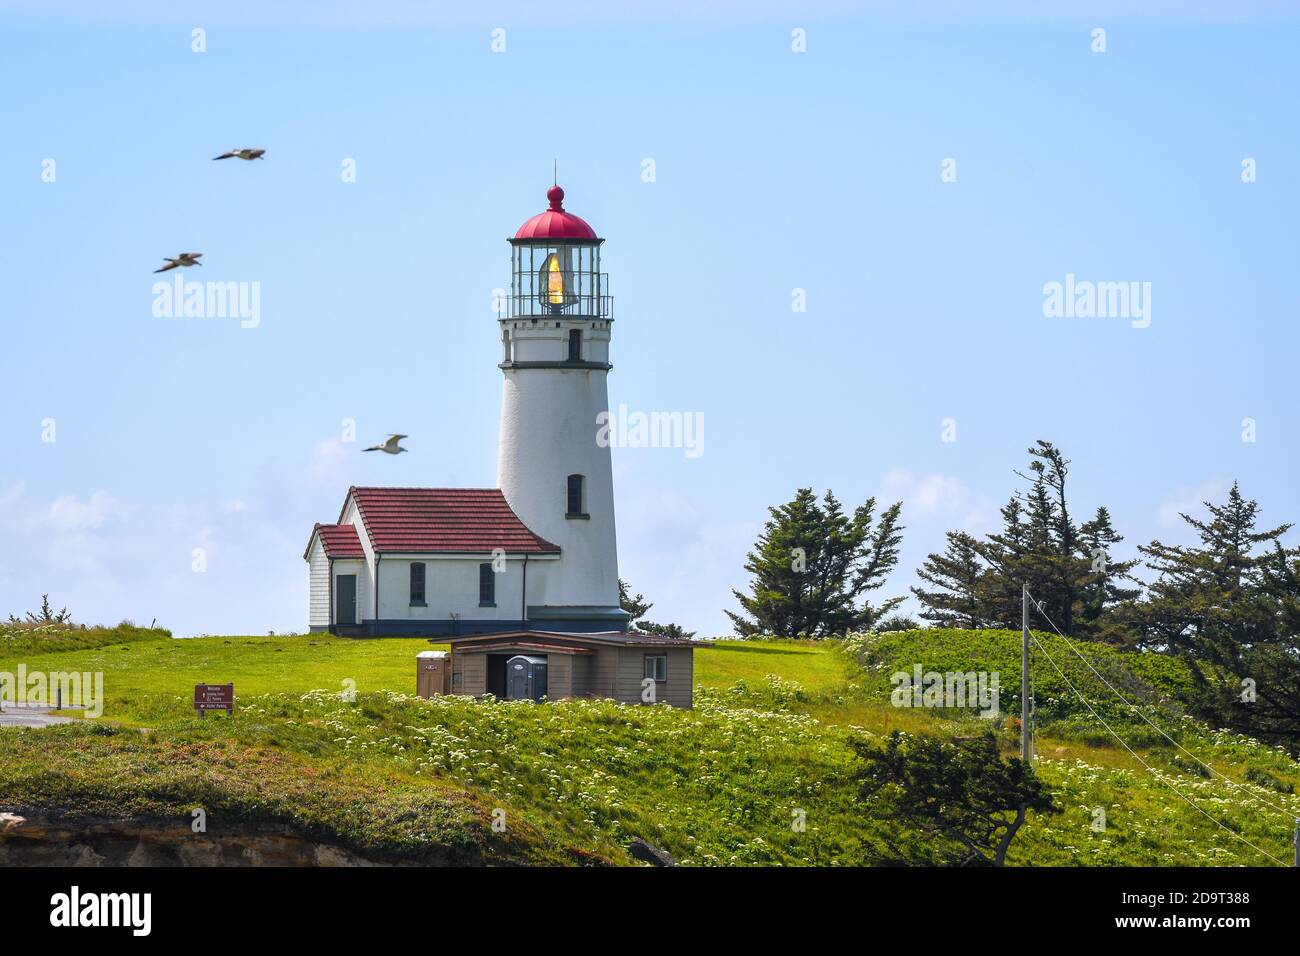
(13, 716)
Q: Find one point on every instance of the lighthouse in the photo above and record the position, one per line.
(555, 361)
(536, 554)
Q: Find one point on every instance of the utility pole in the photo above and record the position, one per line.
(1024, 676)
(1033, 724)
(1297, 841)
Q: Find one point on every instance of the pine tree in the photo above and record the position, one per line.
(1261, 693)
(1102, 589)
(955, 577)
(1052, 567)
(963, 795)
(879, 558)
(1005, 553)
(637, 607)
(812, 563)
(1207, 602)
(1038, 547)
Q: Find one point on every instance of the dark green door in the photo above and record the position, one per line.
(345, 599)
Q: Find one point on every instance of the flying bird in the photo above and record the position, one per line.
(390, 447)
(241, 154)
(185, 259)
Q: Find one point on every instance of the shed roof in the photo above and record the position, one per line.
(568, 639)
(535, 646)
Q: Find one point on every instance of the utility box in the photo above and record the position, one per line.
(432, 673)
(525, 677)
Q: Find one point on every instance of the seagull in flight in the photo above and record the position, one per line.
(185, 259)
(242, 154)
(390, 447)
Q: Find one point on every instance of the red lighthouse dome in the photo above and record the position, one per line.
(555, 223)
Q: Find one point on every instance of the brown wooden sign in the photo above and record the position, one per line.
(214, 697)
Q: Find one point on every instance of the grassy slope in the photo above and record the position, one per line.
(15, 641)
(390, 774)
(137, 674)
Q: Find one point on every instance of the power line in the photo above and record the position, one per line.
(1123, 744)
(1102, 678)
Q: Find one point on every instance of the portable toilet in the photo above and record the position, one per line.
(525, 678)
(432, 673)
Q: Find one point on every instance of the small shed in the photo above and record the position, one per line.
(432, 673)
(626, 666)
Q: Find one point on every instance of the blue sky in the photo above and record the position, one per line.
(774, 171)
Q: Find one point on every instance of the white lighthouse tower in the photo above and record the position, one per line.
(555, 332)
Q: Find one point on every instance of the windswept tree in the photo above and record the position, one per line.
(1069, 569)
(638, 606)
(1255, 687)
(814, 568)
(962, 793)
(954, 597)
(1211, 600)
(1267, 700)
(1052, 565)
(1107, 584)
(45, 617)
(1005, 552)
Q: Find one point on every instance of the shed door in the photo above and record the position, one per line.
(517, 680)
(345, 599)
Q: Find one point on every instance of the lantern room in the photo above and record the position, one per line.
(556, 268)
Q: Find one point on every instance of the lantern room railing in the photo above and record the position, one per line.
(534, 306)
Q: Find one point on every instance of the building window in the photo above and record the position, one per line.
(417, 584)
(656, 667)
(575, 345)
(576, 502)
(487, 585)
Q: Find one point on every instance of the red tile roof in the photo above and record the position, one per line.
(340, 540)
(456, 520)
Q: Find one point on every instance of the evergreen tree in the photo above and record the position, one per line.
(637, 608)
(963, 793)
(811, 565)
(1210, 601)
(955, 579)
(1051, 567)
(880, 556)
(1102, 586)
(1005, 553)
(1260, 692)
(1039, 547)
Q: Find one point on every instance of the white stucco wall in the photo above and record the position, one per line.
(548, 432)
(451, 586)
